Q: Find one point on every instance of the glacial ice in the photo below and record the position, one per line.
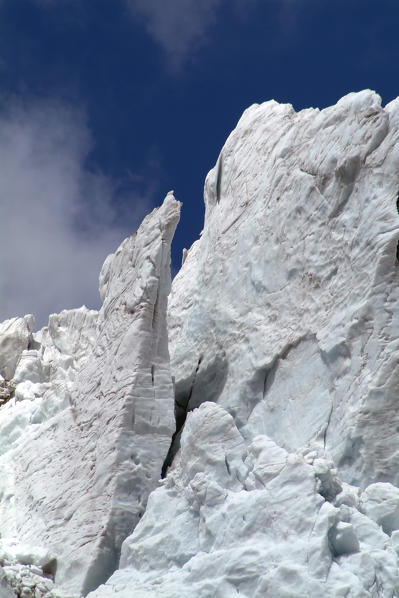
(14, 339)
(283, 327)
(277, 435)
(293, 286)
(83, 440)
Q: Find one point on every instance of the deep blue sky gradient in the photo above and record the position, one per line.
(158, 126)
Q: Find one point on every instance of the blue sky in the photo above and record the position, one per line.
(105, 105)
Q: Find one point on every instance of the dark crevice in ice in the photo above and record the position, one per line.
(181, 409)
(205, 383)
(219, 179)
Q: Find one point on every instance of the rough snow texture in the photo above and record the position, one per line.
(234, 519)
(26, 571)
(84, 437)
(284, 331)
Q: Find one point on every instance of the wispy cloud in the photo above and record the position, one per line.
(58, 220)
(179, 26)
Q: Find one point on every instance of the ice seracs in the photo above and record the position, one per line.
(14, 339)
(250, 519)
(281, 477)
(285, 310)
(283, 327)
(96, 415)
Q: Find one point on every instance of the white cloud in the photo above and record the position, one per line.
(178, 26)
(58, 221)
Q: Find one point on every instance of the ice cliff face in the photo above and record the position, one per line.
(282, 470)
(285, 311)
(85, 436)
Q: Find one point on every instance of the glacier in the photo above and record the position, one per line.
(239, 438)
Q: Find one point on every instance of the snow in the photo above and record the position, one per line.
(287, 302)
(84, 439)
(14, 338)
(277, 435)
(232, 519)
(283, 331)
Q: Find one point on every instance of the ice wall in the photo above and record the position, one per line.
(284, 340)
(84, 439)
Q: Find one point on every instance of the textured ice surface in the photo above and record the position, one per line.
(284, 340)
(14, 339)
(284, 327)
(250, 520)
(285, 311)
(85, 436)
